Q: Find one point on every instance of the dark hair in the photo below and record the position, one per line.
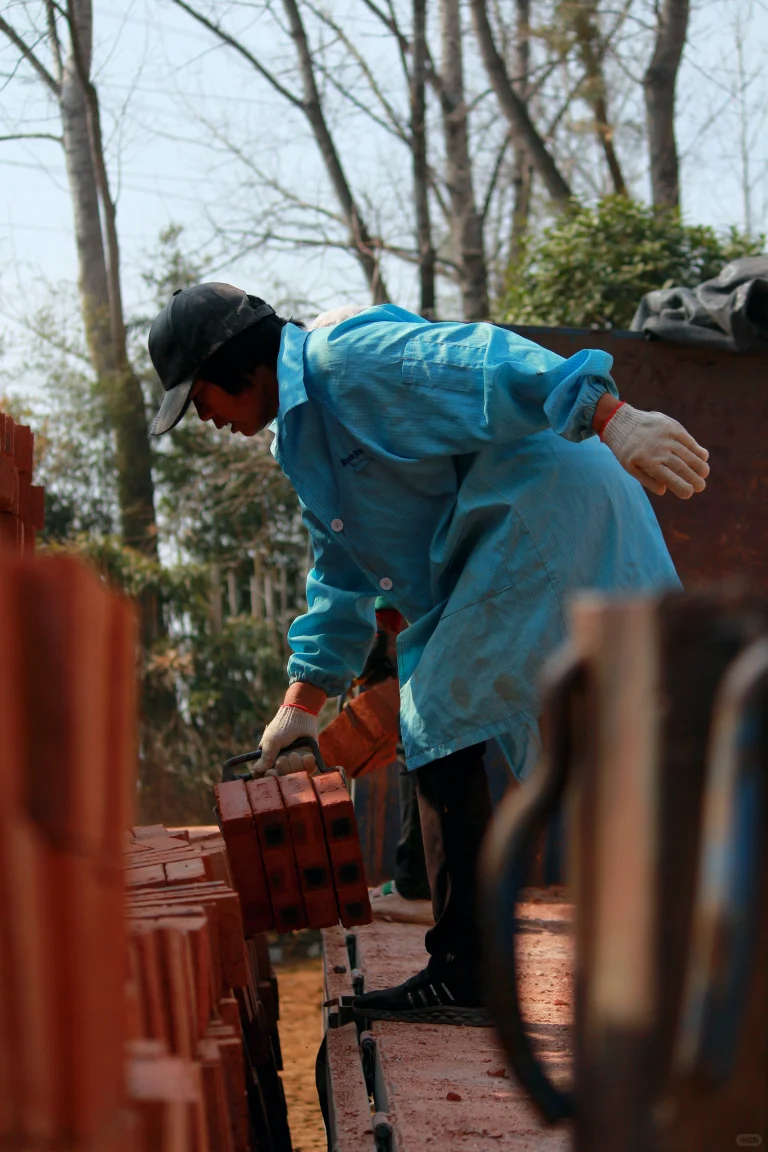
(232, 364)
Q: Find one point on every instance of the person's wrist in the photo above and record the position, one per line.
(307, 697)
(603, 410)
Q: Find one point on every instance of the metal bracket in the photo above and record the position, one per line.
(382, 1132)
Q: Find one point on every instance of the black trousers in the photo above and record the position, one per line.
(410, 874)
(455, 810)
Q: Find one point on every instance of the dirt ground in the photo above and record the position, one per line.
(300, 984)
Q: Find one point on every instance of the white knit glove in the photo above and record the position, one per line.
(657, 451)
(288, 725)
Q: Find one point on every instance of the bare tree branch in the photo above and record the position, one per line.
(362, 63)
(495, 175)
(516, 110)
(53, 36)
(241, 51)
(32, 136)
(29, 56)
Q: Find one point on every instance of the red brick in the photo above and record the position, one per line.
(231, 946)
(344, 849)
(148, 831)
(161, 842)
(10, 532)
(277, 853)
(25, 484)
(29, 1074)
(155, 1011)
(166, 1094)
(150, 876)
(244, 857)
(9, 485)
(216, 1109)
(122, 726)
(185, 871)
(85, 923)
(23, 449)
(37, 507)
(230, 1013)
(7, 435)
(231, 1054)
(178, 987)
(311, 853)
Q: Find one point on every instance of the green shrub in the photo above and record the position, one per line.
(593, 265)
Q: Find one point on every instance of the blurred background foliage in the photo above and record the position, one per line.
(591, 267)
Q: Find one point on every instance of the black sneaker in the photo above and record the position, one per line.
(427, 998)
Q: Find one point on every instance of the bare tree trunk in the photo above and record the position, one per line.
(515, 109)
(522, 173)
(100, 282)
(588, 42)
(467, 224)
(420, 168)
(659, 86)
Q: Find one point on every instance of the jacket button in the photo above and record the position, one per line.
(337, 525)
(385, 583)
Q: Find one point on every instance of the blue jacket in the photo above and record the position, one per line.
(453, 468)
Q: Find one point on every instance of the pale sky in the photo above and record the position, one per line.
(168, 74)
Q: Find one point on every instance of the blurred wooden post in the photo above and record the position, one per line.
(216, 599)
(283, 599)
(269, 602)
(257, 608)
(232, 591)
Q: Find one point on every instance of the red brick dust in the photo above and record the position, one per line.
(447, 1088)
(301, 1031)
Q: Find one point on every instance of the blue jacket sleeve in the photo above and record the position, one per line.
(332, 639)
(430, 389)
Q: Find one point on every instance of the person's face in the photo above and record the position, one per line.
(248, 412)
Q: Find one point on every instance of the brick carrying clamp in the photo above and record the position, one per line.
(228, 772)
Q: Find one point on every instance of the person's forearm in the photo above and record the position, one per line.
(301, 694)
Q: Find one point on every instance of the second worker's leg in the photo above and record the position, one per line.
(455, 809)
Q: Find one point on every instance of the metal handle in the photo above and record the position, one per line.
(228, 771)
(727, 908)
(506, 853)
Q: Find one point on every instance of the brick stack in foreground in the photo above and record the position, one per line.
(294, 852)
(133, 1015)
(67, 730)
(203, 1048)
(21, 502)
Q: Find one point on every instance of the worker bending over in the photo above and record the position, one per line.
(474, 479)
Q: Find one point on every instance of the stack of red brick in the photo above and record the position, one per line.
(294, 852)
(203, 1048)
(171, 983)
(67, 752)
(21, 501)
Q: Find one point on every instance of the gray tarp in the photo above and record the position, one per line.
(730, 311)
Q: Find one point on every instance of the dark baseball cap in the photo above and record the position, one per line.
(191, 327)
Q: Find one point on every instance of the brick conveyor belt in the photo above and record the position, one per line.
(422, 1086)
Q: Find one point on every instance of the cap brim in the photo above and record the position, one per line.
(174, 405)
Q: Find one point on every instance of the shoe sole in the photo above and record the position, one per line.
(468, 1017)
